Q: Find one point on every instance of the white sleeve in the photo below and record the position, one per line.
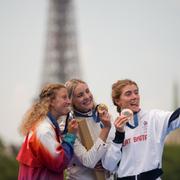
(112, 156)
(47, 137)
(165, 123)
(89, 158)
(174, 120)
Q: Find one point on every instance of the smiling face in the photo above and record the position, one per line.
(60, 105)
(129, 98)
(82, 98)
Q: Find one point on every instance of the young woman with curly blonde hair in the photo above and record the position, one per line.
(45, 153)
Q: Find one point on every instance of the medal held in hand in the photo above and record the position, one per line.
(101, 108)
(132, 118)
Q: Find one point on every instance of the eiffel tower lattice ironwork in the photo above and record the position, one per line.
(61, 56)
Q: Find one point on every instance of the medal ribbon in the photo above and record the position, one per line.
(135, 120)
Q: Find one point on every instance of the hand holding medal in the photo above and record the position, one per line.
(128, 113)
(125, 116)
(102, 110)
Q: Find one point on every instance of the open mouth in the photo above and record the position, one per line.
(87, 102)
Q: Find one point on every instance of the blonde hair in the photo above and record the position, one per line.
(40, 108)
(117, 90)
(71, 86)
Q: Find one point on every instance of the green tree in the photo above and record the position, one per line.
(8, 164)
(171, 162)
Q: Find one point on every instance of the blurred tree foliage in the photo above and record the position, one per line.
(8, 163)
(171, 162)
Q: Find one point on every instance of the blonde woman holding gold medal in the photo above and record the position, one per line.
(94, 127)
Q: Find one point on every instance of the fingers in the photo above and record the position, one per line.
(102, 109)
(104, 115)
(73, 126)
(103, 112)
(73, 121)
(99, 166)
(120, 122)
(105, 118)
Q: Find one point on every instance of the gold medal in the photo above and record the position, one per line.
(101, 108)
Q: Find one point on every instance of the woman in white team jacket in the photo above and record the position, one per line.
(136, 151)
(86, 161)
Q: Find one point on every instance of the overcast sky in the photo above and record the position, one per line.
(136, 39)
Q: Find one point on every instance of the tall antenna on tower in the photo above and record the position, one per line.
(61, 56)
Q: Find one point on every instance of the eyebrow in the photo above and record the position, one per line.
(135, 90)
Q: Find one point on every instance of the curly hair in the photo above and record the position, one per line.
(40, 108)
(117, 90)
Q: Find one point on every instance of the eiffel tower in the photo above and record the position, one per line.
(61, 61)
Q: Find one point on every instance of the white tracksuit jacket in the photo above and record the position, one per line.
(142, 147)
(83, 162)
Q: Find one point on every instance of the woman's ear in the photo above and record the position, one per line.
(118, 102)
(51, 104)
